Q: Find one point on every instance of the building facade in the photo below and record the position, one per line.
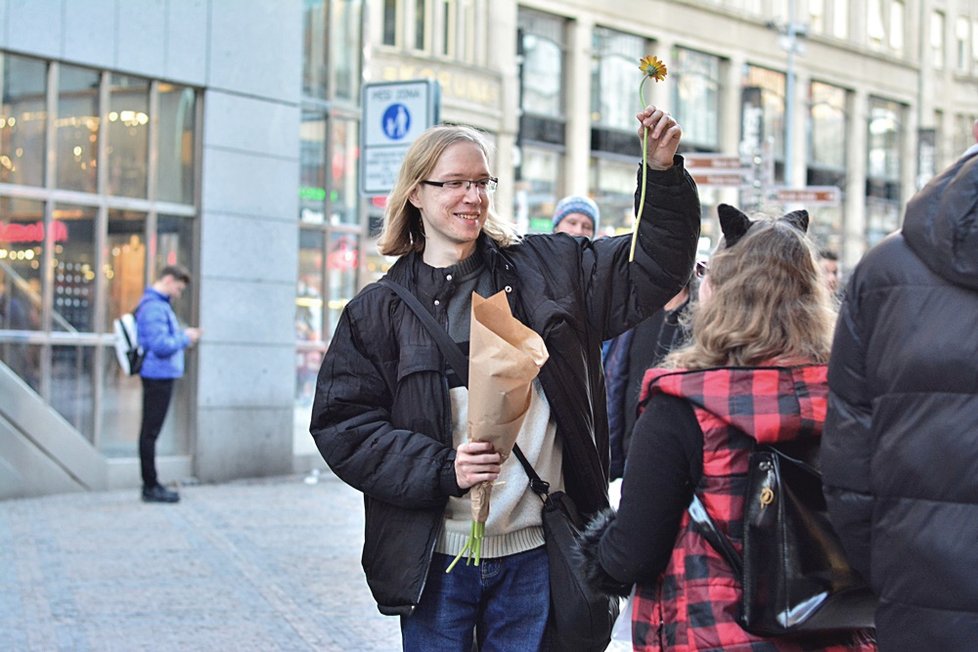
(225, 136)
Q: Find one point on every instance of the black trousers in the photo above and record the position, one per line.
(156, 399)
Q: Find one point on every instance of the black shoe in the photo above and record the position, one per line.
(160, 494)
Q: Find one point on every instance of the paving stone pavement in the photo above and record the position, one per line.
(264, 565)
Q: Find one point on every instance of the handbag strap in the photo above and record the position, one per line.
(457, 361)
(453, 355)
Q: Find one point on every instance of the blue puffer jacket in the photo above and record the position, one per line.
(161, 336)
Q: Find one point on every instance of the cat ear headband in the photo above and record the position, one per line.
(734, 223)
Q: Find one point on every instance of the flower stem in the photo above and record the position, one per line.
(473, 546)
(645, 158)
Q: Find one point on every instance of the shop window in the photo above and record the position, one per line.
(128, 137)
(124, 266)
(312, 167)
(696, 84)
(22, 120)
(883, 171)
(74, 269)
(613, 95)
(77, 129)
(314, 48)
(538, 191)
(175, 246)
(72, 382)
(389, 23)
(176, 146)
(613, 183)
(345, 30)
(768, 86)
(344, 171)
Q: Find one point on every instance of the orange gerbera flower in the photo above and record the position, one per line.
(653, 67)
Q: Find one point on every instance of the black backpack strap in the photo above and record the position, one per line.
(458, 362)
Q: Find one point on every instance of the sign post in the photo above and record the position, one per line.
(394, 115)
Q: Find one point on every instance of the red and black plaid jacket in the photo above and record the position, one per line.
(694, 604)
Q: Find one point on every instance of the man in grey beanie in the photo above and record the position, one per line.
(576, 215)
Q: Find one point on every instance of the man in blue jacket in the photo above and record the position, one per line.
(163, 340)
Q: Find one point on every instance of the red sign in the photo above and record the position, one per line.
(712, 162)
(810, 195)
(16, 232)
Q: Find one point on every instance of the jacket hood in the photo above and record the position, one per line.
(941, 223)
(770, 404)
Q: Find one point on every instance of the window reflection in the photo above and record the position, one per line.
(342, 261)
(22, 120)
(128, 146)
(540, 170)
(175, 160)
(125, 263)
(344, 169)
(771, 85)
(312, 167)
(77, 128)
(613, 76)
(175, 246)
(345, 21)
(74, 269)
(72, 380)
(697, 88)
(614, 191)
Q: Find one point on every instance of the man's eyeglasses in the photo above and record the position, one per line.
(485, 186)
(702, 267)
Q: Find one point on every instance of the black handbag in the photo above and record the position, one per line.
(581, 619)
(794, 573)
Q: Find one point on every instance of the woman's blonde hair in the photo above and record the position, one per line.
(769, 304)
(403, 231)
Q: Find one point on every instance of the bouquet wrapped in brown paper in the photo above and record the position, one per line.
(504, 358)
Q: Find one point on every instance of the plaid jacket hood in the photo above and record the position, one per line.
(694, 605)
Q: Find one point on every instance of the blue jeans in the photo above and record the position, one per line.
(504, 601)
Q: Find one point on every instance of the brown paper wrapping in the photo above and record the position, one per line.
(504, 358)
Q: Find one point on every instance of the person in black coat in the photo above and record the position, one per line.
(389, 418)
(900, 448)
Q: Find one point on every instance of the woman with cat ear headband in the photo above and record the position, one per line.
(755, 370)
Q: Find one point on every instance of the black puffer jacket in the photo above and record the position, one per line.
(382, 415)
(900, 449)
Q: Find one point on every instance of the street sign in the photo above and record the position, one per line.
(809, 195)
(394, 115)
(717, 170)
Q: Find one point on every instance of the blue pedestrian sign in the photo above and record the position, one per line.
(394, 115)
(396, 121)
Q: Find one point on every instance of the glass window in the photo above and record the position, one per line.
(875, 31)
(309, 292)
(897, 13)
(543, 61)
(344, 168)
(74, 269)
(974, 44)
(312, 167)
(614, 78)
(125, 263)
(937, 39)
(21, 246)
(389, 36)
(771, 85)
(816, 16)
(884, 140)
(314, 48)
(539, 173)
(128, 146)
(72, 380)
(961, 38)
(697, 97)
(828, 126)
(345, 48)
(77, 128)
(121, 409)
(420, 23)
(447, 9)
(342, 261)
(840, 18)
(175, 246)
(22, 120)
(614, 192)
(175, 162)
